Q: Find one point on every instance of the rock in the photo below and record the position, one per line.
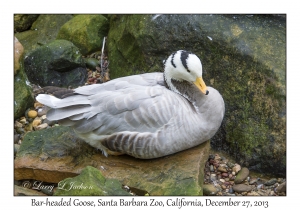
(43, 31)
(211, 168)
(224, 174)
(253, 193)
(58, 63)
(90, 182)
(21, 191)
(16, 148)
(209, 190)
(23, 22)
(32, 114)
(50, 123)
(28, 127)
(92, 63)
(42, 126)
(230, 164)
(23, 96)
(54, 154)
(36, 122)
(16, 138)
(236, 168)
(239, 188)
(256, 44)
(38, 105)
(222, 169)
(242, 175)
(222, 180)
(253, 181)
(23, 120)
(18, 53)
(281, 188)
(213, 177)
(86, 32)
(271, 182)
(20, 130)
(260, 186)
(18, 124)
(42, 111)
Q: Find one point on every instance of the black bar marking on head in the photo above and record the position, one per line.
(172, 60)
(183, 57)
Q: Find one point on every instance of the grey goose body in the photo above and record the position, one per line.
(146, 116)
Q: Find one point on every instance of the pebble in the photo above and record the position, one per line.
(260, 186)
(36, 122)
(28, 127)
(32, 114)
(222, 169)
(209, 189)
(37, 105)
(16, 148)
(43, 111)
(250, 186)
(271, 182)
(23, 120)
(230, 164)
(18, 124)
(16, 138)
(42, 126)
(253, 181)
(222, 180)
(242, 175)
(225, 174)
(236, 168)
(20, 130)
(281, 188)
(252, 193)
(239, 188)
(213, 177)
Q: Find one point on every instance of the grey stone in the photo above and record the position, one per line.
(209, 190)
(239, 188)
(271, 182)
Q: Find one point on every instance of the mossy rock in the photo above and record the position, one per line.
(243, 56)
(58, 63)
(90, 182)
(23, 95)
(86, 32)
(23, 22)
(42, 31)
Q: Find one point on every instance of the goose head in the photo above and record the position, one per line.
(183, 67)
